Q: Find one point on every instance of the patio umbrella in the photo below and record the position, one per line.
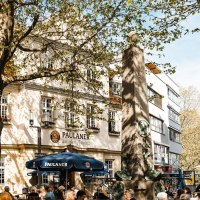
(65, 161)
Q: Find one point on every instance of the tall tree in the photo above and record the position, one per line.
(190, 134)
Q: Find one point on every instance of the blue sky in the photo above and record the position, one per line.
(185, 55)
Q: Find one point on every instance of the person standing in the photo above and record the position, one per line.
(58, 194)
(6, 195)
(33, 195)
(49, 194)
(41, 192)
(162, 196)
(81, 195)
(70, 195)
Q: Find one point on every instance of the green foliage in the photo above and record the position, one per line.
(190, 133)
(89, 32)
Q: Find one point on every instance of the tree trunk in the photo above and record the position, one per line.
(136, 140)
(1, 121)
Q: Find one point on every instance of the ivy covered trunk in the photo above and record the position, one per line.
(136, 138)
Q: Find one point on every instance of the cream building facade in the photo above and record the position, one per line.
(84, 123)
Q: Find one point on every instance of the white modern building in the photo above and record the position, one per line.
(164, 110)
(82, 122)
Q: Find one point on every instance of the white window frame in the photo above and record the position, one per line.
(70, 114)
(110, 168)
(174, 116)
(47, 107)
(116, 88)
(156, 124)
(161, 154)
(154, 97)
(2, 170)
(112, 121)
(173, 96)
(4, 108)
(90, 116)
(45, 178)
(91, 76)
(46, 61)
(174, 135)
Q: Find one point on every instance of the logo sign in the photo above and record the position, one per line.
(55, 136)
(48, 164)
(189, 177)
(87, 164)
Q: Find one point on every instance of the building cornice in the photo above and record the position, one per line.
(64, 92)
(60, 148)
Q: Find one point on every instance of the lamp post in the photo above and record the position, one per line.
(45, 120)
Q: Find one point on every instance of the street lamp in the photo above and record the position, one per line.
(46, 121)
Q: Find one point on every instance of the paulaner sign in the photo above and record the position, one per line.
(47, 164)
(72, 135)
(76, 138)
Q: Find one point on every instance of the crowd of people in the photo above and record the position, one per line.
(180, 194)
(60, 193)
(48, 193)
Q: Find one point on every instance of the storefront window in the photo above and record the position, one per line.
(110, 168)
(44, 178)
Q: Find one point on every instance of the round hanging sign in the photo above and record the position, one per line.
(55, 136)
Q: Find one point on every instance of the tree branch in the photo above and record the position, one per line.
(35, 20)
(31, 50)
(21, 4)
(99, 29)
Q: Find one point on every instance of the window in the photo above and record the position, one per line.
(111, 121)
(46, 61)
(70, 114)
(116, 88)
(161, 154)
(90, 75)
(174, 159)
(2, 168)
(174, 135)
(154, 97)
(110, 168)
(174, 116)
(45, 179)
(4, 108)
(91, 116)
(173, 96)
(156, 124)
(47, 109)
